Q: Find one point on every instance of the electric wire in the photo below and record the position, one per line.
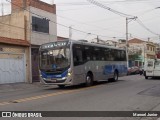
(121, 14)
(110, 9)
(54, 21)
(141, 24)
(100, 5)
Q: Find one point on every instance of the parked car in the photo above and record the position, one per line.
(133, 70)
(141, 70)
(129, 72)
(136, 70)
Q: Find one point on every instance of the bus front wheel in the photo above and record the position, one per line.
(89, 80)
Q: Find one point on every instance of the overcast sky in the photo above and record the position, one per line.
(90, 18)
(87, 17)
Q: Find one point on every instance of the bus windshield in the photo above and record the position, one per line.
(55, 59)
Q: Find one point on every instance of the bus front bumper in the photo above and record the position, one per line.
(56, 81)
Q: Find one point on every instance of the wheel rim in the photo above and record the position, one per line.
(88, 80)
(115, 76)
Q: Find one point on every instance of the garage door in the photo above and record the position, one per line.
(12, 68)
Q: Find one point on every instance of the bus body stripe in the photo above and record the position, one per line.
(64, 74)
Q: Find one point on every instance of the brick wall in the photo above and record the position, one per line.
(21, 4)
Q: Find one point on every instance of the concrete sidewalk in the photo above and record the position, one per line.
(18, 86)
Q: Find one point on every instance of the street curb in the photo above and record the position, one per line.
(18, 86)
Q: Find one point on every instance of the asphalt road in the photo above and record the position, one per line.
(130, 93)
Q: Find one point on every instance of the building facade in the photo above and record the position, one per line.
(14, 60)
(141, 51)
(33, 21)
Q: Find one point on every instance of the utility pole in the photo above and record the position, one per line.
(144, 45)
(97, 39)
(70, 32)
(2, 8)
(127, 21)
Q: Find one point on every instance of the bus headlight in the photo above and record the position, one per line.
(69, 72)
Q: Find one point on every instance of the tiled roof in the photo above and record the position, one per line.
(135, 40)
(14, 41)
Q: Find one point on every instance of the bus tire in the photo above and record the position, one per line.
(89, 80)
(115, 77)
(146, 77)
(61, 86)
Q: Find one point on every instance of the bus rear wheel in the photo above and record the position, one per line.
(89, 80)
(146, 77)
(115, 77)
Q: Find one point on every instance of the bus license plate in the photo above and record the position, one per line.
(53, 80)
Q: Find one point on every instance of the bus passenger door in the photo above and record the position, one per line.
(156, 71)
(78, 64)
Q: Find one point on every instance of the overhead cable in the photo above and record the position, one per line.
(110, 9)
(53, 21)
(121, 14)
(141, 24)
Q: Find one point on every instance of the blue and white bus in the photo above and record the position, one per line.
(74, 62)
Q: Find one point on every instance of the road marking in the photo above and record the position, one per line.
(46, 95)
(4, 103)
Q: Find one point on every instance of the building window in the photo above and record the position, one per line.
(40, 24)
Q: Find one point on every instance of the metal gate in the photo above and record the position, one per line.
(12, 68)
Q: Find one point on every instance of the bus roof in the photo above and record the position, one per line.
(95, 44)
(84, 42)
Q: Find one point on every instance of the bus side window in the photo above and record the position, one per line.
(106, 54)
(101, 54)
(77, 55)
(87, 53)
(97, 53)
(111, 54)
(116, 55)
(123, 55)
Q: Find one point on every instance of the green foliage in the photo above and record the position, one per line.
(134, 56)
